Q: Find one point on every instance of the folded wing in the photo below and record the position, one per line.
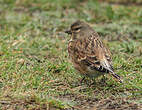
(92, 52)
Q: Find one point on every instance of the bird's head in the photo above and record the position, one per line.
(79, 29)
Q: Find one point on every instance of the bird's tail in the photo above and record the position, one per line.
(107, 66)
(116, 76)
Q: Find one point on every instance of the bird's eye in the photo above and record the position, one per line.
(77, 28)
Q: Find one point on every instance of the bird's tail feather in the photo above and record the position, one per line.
(107, 66)
(116, 76)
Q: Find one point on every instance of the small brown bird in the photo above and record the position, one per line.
(89, 55)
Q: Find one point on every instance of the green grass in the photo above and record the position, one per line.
(35, 70)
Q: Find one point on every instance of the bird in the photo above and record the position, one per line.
(89, 55)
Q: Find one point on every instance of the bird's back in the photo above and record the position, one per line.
(89, 52)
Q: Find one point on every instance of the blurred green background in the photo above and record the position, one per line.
(35, 70)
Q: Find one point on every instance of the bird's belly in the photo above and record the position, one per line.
(93, 72)
(86, 70)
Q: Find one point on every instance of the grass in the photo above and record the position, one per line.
(36, 72)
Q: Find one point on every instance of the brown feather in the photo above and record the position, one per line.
(88, 53)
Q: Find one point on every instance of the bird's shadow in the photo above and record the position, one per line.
(95, 83)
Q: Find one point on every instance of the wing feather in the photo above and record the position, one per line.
(92, 52)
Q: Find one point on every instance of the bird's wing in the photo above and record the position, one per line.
(92, 52)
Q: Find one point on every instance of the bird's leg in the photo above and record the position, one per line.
(93, 82)
(82, 79)
(103, 80)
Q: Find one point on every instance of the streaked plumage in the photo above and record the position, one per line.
(89, 55)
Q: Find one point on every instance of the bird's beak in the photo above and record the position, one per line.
(68, 32)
